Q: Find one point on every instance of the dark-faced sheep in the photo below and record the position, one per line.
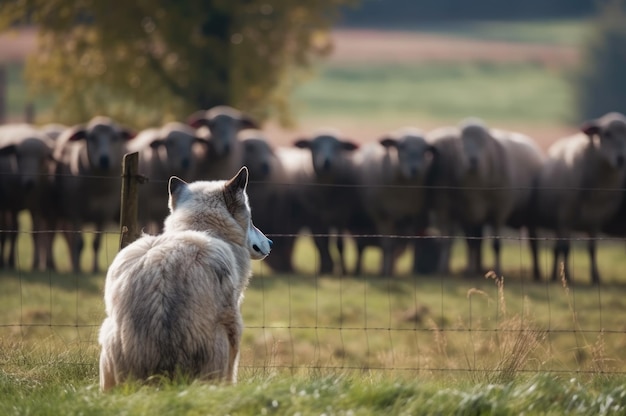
(220, 126)
(580, 185)
(163, 152)
(271, 194)
(329, 198)
(393, 174)
(25, 183)
(89, 162)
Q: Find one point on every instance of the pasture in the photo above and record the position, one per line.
(362, 344)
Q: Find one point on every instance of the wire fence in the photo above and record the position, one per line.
(438, 324)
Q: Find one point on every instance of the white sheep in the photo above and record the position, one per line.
(490, 177)
(220, 126)
(393, 173)
(580, 185)
(163, 152)
(87, 187)
(327, 197)
(25, 184)
(271, 194)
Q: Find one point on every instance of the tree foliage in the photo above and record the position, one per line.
(145, 61)
(601, 82)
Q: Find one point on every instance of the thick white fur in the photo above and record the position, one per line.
(173, 300)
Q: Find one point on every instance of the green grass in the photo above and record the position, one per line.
(500, 92)
(313, 395)
(314, 344)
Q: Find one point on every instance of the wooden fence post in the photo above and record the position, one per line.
(129, 225)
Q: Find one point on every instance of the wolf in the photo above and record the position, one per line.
(173, 300)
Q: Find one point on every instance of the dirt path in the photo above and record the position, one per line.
(353, 46)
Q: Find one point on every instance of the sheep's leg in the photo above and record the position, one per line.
(474, 242)
(534, 251)
(42, 242)
(387, 246)
(326, 261)
(561, 249)
(75, 243)
(3, 236)
(37, 263)
(342, 255)
(496, 253)
(445, 243)
(97, 239)
(13, 227)
(595, 273)
(282, 251)
(361, 244)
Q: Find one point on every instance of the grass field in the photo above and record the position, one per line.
(522, 93)
(350, 345)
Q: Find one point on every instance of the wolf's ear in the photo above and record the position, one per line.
(176, 188)
(234, 190)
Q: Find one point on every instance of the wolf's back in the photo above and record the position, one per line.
(173, 289)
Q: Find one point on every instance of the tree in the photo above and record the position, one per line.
(143, 61)
(600, 84)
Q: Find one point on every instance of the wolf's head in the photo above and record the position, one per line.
(220, 208)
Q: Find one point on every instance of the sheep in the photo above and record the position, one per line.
(163, 152)
(329, 198)
(580, 185)
(485, 177)
(25, 159)
(445, 184)
(271, 196)
(89, 159)
(393, 172)
(220, 126)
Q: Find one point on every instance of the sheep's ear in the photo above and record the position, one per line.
(156, 143)
(388, 142)
(198, 119)
(302, 143)
(176, 187)
(128, 134)
(432, 150)
(349, 145)
(7, 150)
(78, 133)
(590, 128)
(248, 122)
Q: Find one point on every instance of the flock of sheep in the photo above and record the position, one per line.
(410, 188)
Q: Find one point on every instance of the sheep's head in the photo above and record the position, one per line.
(608, 135)
(175, 145)
(327, 151)
(257, 155)
(220, 125)
(415, 154)
(105, 141)
(475, 139)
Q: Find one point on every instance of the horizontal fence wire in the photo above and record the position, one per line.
(345, 323)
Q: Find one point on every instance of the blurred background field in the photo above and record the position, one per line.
(512, 74)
